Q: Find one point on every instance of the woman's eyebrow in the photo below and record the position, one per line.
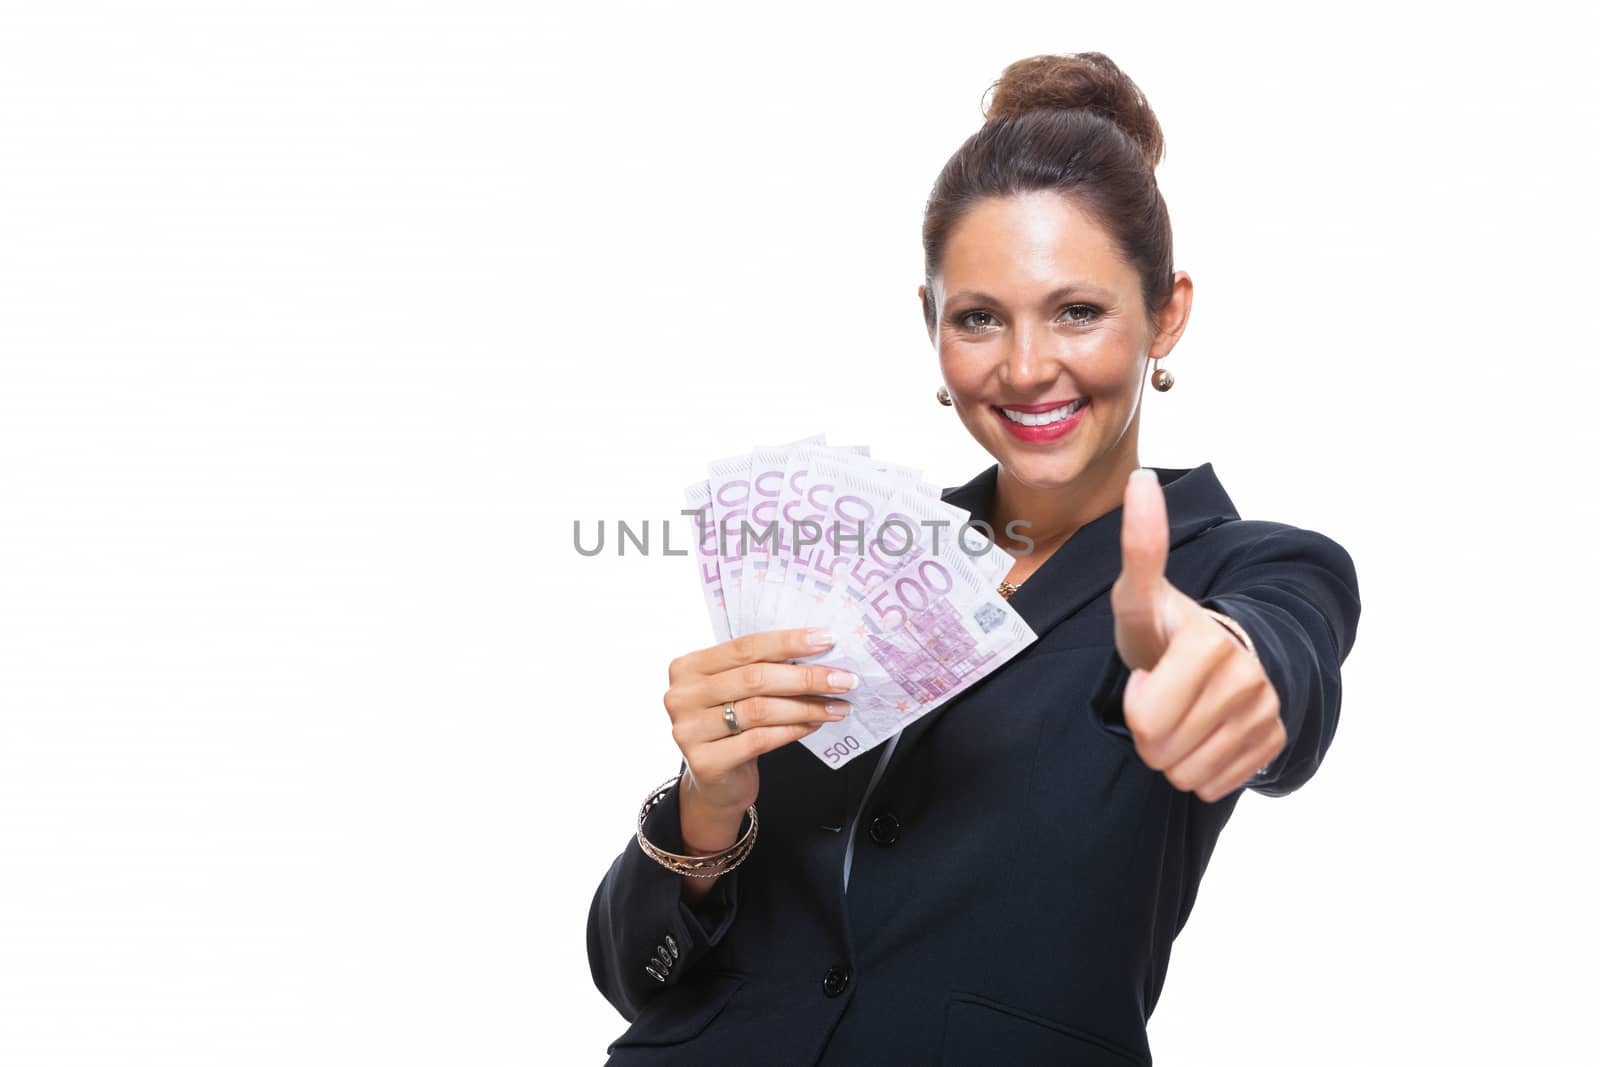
(1075, 288)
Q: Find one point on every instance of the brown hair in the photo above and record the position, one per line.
(1078, 125)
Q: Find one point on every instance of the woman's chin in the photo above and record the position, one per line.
(1053, 471)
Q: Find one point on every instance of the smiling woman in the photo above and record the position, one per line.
(1050, 287)
(1003, 883)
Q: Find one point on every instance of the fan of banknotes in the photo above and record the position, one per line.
(808, 534)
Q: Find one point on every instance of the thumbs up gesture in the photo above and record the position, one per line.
(1199, 704)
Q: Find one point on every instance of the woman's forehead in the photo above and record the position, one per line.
(1031, 244)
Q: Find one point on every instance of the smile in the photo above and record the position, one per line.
(1043, 427)
(1043, 418)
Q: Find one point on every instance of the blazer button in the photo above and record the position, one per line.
(884, 830)
(835, 981)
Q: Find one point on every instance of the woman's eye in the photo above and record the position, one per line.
(1076, 313)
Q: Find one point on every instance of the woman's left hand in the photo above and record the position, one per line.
(1198, 703)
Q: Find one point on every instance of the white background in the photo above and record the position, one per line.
(320, 324)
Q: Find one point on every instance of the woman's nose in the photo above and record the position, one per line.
(1028, 363)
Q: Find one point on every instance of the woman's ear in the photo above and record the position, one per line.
(924, 305)
(1171, 319)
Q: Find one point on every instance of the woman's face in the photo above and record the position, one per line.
(1036, 309)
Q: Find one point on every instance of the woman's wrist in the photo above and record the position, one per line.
(705, 831)
(1233, 627)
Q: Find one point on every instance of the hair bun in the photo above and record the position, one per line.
(1088, 80)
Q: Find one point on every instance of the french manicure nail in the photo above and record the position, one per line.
(818, 637)
(841, 679)
(836, 711)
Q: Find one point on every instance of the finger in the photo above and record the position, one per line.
(1215, 753)
(1155, 701)
(767, 679)
(1144, 535)
(754, 713)
(1241, 770)
(774, 645)
(714, 760)
(1229, 689)
(1238, 735)
(1137, 594)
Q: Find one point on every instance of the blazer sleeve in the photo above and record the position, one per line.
(639, 905)
(1295, 593)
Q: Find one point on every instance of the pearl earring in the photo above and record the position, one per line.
(943, 396)
(1162, 379)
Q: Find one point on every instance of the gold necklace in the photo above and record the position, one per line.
(1005, 588)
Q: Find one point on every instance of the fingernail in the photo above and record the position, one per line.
(836, 711)
(841, 679)
(1142, 472)
(817, 637)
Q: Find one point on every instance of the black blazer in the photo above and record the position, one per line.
(1019, 874)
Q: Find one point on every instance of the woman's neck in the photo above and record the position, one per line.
(1052, 515)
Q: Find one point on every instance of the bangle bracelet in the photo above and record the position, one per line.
(1233, 628)
(718, 863)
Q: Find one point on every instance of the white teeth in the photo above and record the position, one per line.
(1043, 418)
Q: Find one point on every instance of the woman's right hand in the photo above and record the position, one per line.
(776, 702)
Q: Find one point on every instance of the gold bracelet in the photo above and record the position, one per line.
(718, 863)
(1233, 627)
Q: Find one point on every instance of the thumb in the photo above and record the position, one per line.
(1143, 611)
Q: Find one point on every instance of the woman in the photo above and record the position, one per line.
(1003, 882)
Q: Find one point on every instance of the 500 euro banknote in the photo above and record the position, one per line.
(918, 622)
(870, 551)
